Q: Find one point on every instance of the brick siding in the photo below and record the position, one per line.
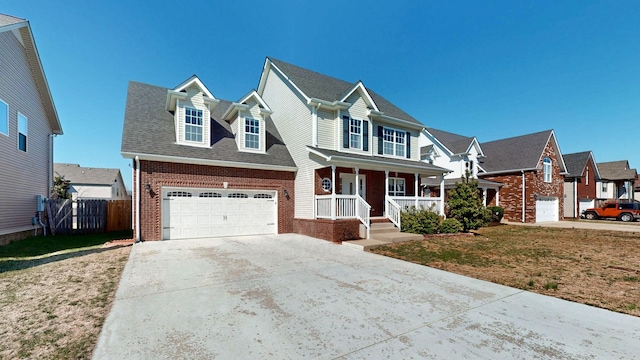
(331, 230)
(159, 174)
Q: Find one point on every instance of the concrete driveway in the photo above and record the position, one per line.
(291, 296)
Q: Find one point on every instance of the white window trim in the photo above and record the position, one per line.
(245, 133)
(26, 133)
(394, 181)
(395, 144)
(7, 115)
(353, 133)
(185, 124)
(546, 170)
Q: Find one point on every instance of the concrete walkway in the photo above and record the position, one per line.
(291, 296)
(583, 224)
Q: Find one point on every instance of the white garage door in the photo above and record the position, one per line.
(547, 209)
(586, 204)
(198, 213)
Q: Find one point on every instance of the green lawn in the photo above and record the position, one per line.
(41, 245)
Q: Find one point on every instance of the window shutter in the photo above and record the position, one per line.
(345, 132)
(408, 145)
(380, 140)
(365, 135)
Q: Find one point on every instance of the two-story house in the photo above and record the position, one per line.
(617, 181)
(531, 170)
(580, 183)
(357, 154)
(28, 123)
(461, 155)
(92, 183)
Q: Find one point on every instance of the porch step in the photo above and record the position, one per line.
(364, 244)
(396, 237)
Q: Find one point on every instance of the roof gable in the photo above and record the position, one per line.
(313, 85)
(519, 153)
(180, 93)
(22, 30)
(577, 162)
(454, 143)
(265, 110)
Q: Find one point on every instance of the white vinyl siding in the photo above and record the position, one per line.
(292, 118)
(359, 111)
(327, 129)
(23, 175)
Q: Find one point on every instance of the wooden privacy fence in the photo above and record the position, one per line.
(87, 216)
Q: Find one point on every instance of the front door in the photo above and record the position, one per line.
(349, 185)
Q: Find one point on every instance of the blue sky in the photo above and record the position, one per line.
(491, 69)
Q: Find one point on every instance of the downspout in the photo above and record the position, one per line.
(524, 200)
(314, 125)
(137, 205)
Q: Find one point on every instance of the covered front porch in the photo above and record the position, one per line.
(360, 190)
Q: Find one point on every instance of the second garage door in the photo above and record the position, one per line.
(547, 209)
(199, 213)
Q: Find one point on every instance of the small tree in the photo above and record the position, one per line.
(60, 189)
(466, 205)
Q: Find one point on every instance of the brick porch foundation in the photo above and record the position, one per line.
(331, 230)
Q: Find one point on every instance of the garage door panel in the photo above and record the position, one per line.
(217, 212)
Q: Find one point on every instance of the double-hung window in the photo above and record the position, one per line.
(546, 169)
(192, 124)
(394, 142)
(355, 134)
(396, 187)
(251, 133)
(22, 132)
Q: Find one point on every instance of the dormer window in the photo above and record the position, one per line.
(355, 134)
(192, 124)
(252, 134)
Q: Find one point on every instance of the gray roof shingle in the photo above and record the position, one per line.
(328, 88)
(6, 20)
(576, 163)
(456, 143)
(86, 175)
(149, 129)
(616, 170)
(516, 153)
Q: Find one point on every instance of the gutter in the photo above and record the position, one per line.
(524, 200)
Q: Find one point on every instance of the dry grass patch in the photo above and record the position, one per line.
(599, 268)
(52, 306)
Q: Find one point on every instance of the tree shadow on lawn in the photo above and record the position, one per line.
(40, 250)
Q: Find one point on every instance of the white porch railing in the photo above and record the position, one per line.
(346, 207)
(393, 211)
(427, 203)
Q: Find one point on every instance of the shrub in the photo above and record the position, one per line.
(497, 212)
(450, 226)
(419, 221)
(466, 204)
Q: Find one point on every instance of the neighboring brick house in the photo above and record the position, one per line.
(579, 183)
(28, 123)
(205, 167)
(459, 154)
(617, 181)
(531, 170)
(87, 183)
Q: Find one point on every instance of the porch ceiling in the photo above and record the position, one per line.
(379, 163)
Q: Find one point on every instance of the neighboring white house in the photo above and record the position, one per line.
(460, 154)
(93, 183)
(617, 181)
(28, 123)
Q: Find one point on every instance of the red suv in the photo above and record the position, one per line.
(625, 211)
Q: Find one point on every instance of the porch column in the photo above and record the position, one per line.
(415, 192)
(357, 180)
(498, 197)
(333, 192)
(386, 192)
(484, 196)
(442, 195)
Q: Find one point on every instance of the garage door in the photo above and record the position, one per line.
(547, 209)
(586, 204)
(199, 213)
